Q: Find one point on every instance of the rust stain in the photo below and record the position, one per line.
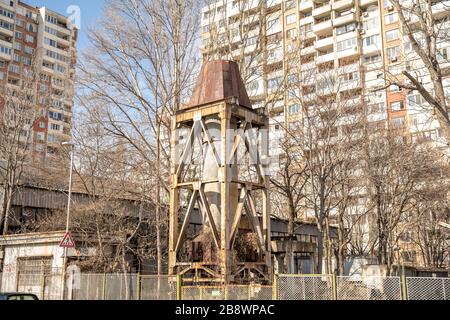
(219, 80)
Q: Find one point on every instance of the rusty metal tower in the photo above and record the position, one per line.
(219, 200)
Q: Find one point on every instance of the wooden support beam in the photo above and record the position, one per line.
(186, 220)
(206, 210)
(237, 216)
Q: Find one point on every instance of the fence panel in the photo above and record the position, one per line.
(293, 287)
(121, 287)
(158, 288)
(369, 288)
(53, 285)
(428, 288)
(238, 292)
(213, 293)
(191, 293)
(85, 287)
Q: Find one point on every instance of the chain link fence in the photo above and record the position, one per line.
(285, 287)
(369, 288)
(428, 288)
(293, 287)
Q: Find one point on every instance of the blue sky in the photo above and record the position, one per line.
(91, 10)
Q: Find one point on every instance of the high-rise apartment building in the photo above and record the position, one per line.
(356, 43)
(44, 40)
(294, 52)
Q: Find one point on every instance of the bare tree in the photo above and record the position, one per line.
(425, 28)
(24, 100)
(139, 70)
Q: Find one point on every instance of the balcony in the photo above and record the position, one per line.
(321, 11)
(368, 50)
(339, 21)
(308, 66)
(306, 20)
(325, 58)
(323, 27)
(348, 52)
(365, 3)
(343, 4)
(441, 8)
(305, 5)
(324, 43)
(6, 32)
(307, 50)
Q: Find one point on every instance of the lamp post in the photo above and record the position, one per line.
(69, 200)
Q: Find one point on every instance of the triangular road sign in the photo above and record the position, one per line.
(67, 241)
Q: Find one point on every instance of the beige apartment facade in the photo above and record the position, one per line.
(45, 40)
(290, 49)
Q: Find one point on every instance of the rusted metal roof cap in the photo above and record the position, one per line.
(219, 80)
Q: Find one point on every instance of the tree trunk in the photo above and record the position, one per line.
(318, 267)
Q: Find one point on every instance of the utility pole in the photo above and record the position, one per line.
(69, 200)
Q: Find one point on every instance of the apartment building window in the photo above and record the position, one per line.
(346, 44)
(50, 42)
(398, 122)
(372, 59)
(31, 27)
(51, 30)
(391, 18)
(19, 35)
(350, 76)
(26, 61)
(397, 106)
(17, 46)
(291, 34)
(416, 100)
(5, 50)
(442, 55)
(42, 125)
(295, 108)
(273, 84)
(6, 13)
(392, 35)
(14, 69)
(55, 115)
(2, 76)
(372, 40)
(377, 108)
(6, 25)
(292, 78)
(55, 127)
(40, 136)
(372, 23)
(29, 38)
(393, 52)
(292, 18)
(273, 23)
(16, 57)
(394, 88)
(29, 50)
(347, 28)
(252, 40)
(306, 28)
(20, 23)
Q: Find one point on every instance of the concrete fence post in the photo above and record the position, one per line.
(138, 286)
(404, 288)
(334, 286)
(104, 287)
(275, 295)
(43, 287)
(179, 287)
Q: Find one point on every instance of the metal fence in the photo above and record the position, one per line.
(285, 287)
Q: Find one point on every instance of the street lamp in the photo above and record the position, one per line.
(69, 200)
